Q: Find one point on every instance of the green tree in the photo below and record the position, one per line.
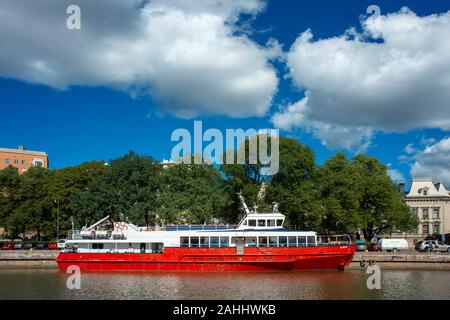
(192, 194)
(32, 210)
(381, 208)
(9, 186)
(65, 185)
(129, 186)
(293, 187)
(247, 176)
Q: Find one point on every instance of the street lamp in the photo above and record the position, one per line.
(57, 222)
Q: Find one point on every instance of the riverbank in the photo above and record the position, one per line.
(411, 260)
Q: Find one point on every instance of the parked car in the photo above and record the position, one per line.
(8, 246)
(41, 246)
(61, 243)
(392, 245)
(361, 245)
(432, 245)
(18, 246)
(26, 246)
(52, 246)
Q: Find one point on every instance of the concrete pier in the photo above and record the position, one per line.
(401, 260)
(28, 259)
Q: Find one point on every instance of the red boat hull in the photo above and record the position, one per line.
(214, 259)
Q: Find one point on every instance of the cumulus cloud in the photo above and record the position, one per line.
(189, 55)
(395, 174)
(392, 77)
(432, 161)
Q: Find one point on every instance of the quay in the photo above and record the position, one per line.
(410, 260)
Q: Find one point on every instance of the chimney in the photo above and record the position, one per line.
(21, 148)
(401, 188)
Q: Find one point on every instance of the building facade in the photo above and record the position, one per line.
(430, 201)
(22, 159)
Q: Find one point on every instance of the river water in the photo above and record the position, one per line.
(350, 284)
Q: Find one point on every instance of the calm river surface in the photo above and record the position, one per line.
(351, 284)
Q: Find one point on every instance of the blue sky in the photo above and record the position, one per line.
(76, 112)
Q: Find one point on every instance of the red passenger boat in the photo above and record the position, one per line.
(258, 243)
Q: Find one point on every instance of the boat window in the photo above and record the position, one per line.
(184, 242)
(271, 223)
(279, 222)
(262, 241)
(273, 241)
(224, 241)
(282, 241)
(194, 242)
(261, 223)
(250, 241)
(157, 247)
(252, 223)
(214, 242)
(204, 242)
(292, 241)
(302, 241)
(311, 241)
(97, 246)
(245, 222)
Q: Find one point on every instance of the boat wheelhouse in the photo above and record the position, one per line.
(259, 243)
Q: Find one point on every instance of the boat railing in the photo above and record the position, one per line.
(95, 235)
(199, 227)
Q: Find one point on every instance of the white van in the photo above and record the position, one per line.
(392, 244)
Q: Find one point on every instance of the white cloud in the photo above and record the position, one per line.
(409, 149)
(433, 161)
(396, 80)
(189, 54)
(396, 175)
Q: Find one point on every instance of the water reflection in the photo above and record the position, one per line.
(51, 284)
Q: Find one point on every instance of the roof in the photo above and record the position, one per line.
(23, 151)
(434, 189)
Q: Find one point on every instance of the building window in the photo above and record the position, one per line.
(415, 211)
(38, 163)
(16, 161)
(425, 229)
(425, 213)
(425, 192)
(436, 228)
(7, 161)
(24, 162)
(436, 213)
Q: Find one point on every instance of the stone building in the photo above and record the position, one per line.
(430, 201)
